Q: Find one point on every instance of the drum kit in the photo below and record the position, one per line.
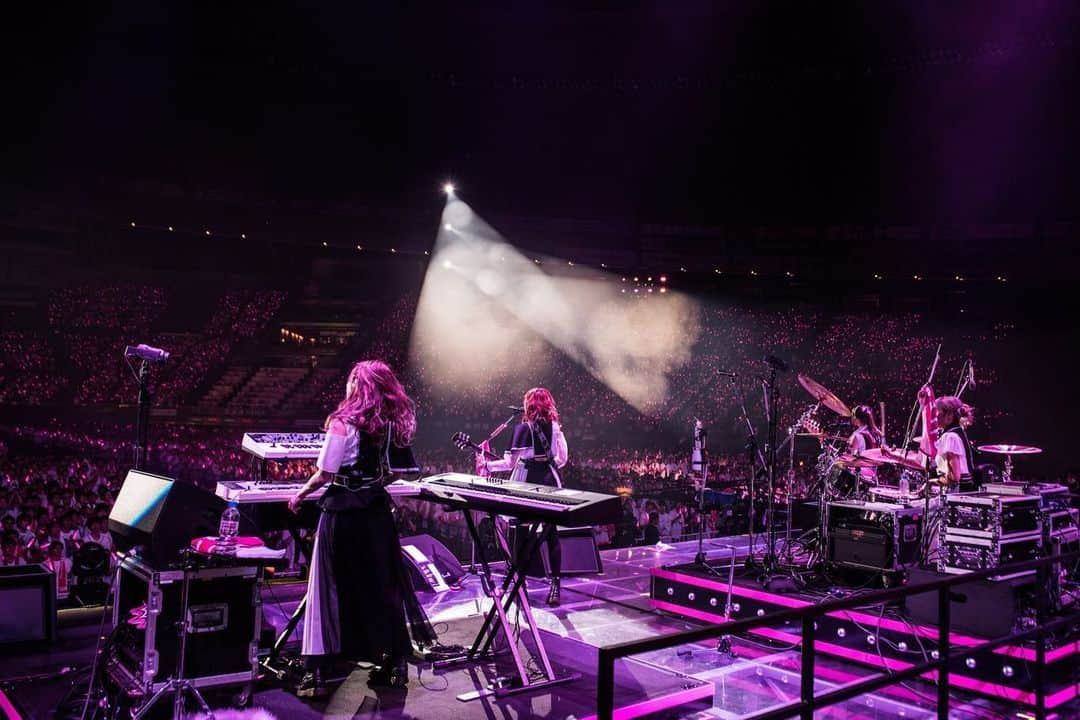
(897, 477)
(881, 474)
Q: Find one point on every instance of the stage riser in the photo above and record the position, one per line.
(840, 635)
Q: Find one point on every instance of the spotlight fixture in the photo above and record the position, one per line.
(448, 188)
(132, 223)
(324, 243)
(448, 226)
(663, 278)
(170, 228)
(243, 236)
(207, 233)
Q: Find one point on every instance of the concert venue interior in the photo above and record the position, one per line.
(722, 235)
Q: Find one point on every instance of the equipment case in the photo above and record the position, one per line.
(988, 515)
(223, 621)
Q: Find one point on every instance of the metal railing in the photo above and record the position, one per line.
(808, 702)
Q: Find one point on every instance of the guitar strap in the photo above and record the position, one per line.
(546, 447)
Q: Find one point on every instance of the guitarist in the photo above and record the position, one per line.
(360, 602)
(537, 452)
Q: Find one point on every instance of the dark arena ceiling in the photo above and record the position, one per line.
(845, 130)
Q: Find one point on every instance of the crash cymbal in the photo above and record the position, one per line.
(824, 396)
(911, 459)
(1010, 449)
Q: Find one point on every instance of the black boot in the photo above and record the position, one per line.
(553, 593)
(312, 685)
(393, 674)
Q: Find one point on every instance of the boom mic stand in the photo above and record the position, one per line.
(756, 456)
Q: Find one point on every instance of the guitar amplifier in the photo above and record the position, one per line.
(874, 536)
(223, 623)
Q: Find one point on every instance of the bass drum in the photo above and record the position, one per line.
(845, 484)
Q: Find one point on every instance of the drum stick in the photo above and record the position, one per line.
(882, 404)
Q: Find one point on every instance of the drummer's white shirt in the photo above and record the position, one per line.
(950, 444)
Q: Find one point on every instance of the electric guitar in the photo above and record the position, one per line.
(464, 442)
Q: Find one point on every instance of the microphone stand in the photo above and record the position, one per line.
(772, 578)
(756, 456)
(142, 418)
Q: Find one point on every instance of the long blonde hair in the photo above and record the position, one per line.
(374, 401)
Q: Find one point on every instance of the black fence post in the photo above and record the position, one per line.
(806, 689)
(944, 623)
(605, 685)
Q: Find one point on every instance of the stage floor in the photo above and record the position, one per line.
(694, 681)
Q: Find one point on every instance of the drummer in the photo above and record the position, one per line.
(953, 456)
(865, 437)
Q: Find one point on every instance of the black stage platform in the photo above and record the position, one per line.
(693, 681)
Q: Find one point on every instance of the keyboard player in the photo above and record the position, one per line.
(360, 602)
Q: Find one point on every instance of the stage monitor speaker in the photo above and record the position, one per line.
(432, 567)
(157, 517)
(987, 608)
(580, 554)
(28, 599)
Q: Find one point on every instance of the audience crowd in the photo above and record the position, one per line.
(58, 481)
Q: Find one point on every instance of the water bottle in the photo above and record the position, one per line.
(228, 529)
(905, 483)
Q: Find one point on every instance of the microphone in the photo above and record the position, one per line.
(515, 408)
(971, 374)
(727, 373)
(775, 363)
(146, 352)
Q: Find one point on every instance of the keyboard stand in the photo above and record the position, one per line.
(504, 597)
(270, 662)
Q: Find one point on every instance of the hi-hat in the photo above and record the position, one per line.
(1010, 449)
(824, 396)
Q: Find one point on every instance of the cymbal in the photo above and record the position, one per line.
(824, 396)
(857, 461)
(883, 456)
(1010, 449)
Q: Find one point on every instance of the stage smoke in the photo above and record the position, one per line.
(490, 314)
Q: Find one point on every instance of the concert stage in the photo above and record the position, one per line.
(689, 681)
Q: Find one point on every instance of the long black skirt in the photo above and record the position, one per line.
(360, 605)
